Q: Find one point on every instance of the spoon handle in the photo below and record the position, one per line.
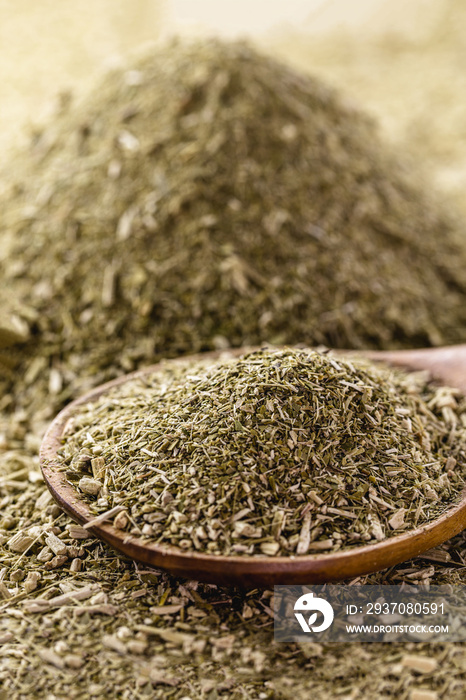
(446, 364)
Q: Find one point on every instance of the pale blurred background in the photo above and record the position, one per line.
(403, 61)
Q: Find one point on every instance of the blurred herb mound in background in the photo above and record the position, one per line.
(211, 197)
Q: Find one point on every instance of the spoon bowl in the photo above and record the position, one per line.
(446, 365)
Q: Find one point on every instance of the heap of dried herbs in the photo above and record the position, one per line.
(277, 452)
(211, 197)
(79, 621)
(76, 619)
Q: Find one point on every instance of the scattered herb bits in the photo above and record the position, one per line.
(277, 453)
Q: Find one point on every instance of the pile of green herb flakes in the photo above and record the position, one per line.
(135, 228)
(277, 452)
(211, 197)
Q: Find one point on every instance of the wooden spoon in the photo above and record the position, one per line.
(447, 365)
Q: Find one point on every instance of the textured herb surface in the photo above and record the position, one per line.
(138, 223)
(76, 619)
(277, 452)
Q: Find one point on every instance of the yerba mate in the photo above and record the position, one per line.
(76, 618)
(278, 452)
(209, 197)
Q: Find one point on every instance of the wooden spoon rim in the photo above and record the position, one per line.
(255, 570)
